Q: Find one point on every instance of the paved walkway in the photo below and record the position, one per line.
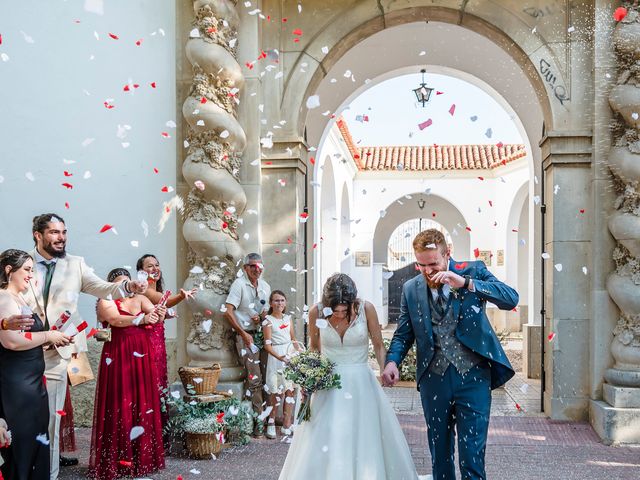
(522, 445)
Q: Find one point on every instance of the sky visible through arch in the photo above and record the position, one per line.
(395, 116)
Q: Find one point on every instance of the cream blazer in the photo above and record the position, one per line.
(71, 276)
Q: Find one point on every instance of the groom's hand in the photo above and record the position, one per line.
(390, 375)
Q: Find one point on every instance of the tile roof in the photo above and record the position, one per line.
(432, 157)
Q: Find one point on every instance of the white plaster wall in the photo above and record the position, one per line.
(52, 97)
(491, 225)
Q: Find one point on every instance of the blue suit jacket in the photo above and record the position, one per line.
(473, 330)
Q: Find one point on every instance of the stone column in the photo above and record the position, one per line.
(283, 193)
(567, 190)
(215, 141)
(618, 420)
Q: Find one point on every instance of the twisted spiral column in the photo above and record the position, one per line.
(624, 161)
(216, 200)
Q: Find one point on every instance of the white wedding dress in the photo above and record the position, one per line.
(353, 433)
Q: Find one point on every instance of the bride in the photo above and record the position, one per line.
(353, 433)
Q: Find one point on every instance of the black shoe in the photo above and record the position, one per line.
(68, 462)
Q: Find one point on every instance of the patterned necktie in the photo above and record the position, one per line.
(51, 266)
(441, 301)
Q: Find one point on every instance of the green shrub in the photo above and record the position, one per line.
(408, 366)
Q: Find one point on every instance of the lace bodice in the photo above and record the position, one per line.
(354, 347)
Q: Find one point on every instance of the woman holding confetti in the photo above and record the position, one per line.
(149, 267)
(279, 340)
(353, 432)
(23, 396)
(126, 439)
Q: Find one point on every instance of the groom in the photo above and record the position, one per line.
(460, 359)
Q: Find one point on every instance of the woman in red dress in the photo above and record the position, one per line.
(127, 428)
(149, 263)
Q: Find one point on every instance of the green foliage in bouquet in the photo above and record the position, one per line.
(311, 372)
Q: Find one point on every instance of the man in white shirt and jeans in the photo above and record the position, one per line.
(247, 305)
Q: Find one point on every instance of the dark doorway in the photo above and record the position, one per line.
(396, 282)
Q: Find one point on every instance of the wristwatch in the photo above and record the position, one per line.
(467, 280)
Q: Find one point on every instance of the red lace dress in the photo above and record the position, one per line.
(126, 397)
(159, 357)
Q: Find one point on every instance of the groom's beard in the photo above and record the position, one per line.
(431, 283)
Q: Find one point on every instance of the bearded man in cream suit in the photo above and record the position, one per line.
(59, 280)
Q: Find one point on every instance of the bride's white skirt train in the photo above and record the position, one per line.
(353, 434)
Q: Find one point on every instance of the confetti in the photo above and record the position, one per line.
(585, 270)
(313, 102)
(619, 14)
(558, 267)
(106, 227)
(425, 124)
(136, 432)
(452, 109)
(114, 36)
(138, 355)
(43, 439)
(206, 325)
(108, 361)
(551, 336)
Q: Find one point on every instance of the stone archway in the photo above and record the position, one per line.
(503, 53)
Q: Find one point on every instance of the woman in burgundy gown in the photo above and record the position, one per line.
(127, 428)
(149, 264)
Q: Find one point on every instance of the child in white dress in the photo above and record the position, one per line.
(279, 340)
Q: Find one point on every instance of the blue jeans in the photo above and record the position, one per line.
(460, 401)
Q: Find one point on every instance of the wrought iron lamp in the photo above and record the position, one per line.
(423, 93)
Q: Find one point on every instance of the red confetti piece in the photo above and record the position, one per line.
(165, 134)
(439, 93)
(476, 252)
(0, 39)
(67, 174)
(126, 88)
(106, 227)
(139, 42)
(312, 160)
(296, 40)
(480, 178)
(284, 20)
(165, 189)
(283, 326)
(208, 313)
(500, 144)
(452, 110)
(551, 336)
(297, 31)
(155, 170)
(490, 203)
(518, 406)
(424, 125)
(66, 205)
(461, 266)
(249, 65)
(225, 225)
(433, 214)
(67, 185)
(92, 332)
(114, 36)
(315, 245)
(582, 210)
(62, 413)
(289, 241)
(82, 326)
(108, 105)
(28, 336)
(304, 215)
(153, 84)
(203, 100)
(125, 463)
(514, 230)
(619, 14)
(277, 251)
(219, 417)
(468, 229)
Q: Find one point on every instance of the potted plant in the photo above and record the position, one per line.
(204, 427)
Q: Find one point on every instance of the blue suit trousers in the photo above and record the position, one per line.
(455, 403)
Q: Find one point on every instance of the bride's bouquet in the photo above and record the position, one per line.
(311, 372)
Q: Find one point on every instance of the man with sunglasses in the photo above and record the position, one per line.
(246, 308)
(460, 359)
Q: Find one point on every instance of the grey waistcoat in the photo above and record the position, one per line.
(448, 349)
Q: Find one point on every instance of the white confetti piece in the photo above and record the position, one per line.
(171, 124)
(42, 438)
(475, 308)
(196, 270)
(94, 6)
(571, 29)
(108, 361)
(87, 141)
(556, 188)
(27, 38)
(30, 176)
(321, 323)
(524, 387)
(313, 102)
(585, 270)
(325, 50)
(327, 311)
(546, 256)
(206, 325)
(145, 228)
(197, 380)
(4, 57)
(195, 33)
(134, 243)
(558, 267)
(139, 355)
(136, 432)
(87, 175)
(175, 394)
(224, 134)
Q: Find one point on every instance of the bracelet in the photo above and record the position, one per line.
(467, 280)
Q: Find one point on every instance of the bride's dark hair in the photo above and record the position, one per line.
(340, 289)
(11, 258)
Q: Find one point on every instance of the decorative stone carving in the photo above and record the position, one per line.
(215, 142)
(624, 224)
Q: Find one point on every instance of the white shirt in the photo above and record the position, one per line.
(248, 300)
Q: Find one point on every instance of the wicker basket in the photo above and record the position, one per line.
(202, 445)
(209, 375)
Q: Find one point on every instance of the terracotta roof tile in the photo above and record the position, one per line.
(432, 157)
